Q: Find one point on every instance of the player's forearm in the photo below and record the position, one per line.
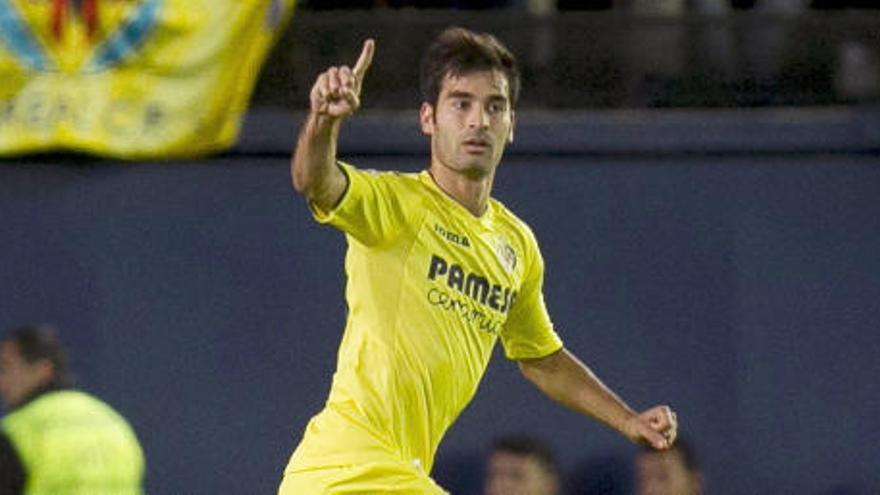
(313, 166)
(568, 381)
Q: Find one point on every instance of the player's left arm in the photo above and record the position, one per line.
(568, 381)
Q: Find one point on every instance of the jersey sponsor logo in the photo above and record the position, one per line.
(452, 237)
(475, 286)
(467, 309)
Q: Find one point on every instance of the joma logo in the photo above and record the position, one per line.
(452, 236)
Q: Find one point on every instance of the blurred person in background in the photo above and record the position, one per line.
(521, 465)
(674, 471)
(54, 438)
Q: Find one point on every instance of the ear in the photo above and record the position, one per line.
(426, 119)
(44, 370)
(512, 125)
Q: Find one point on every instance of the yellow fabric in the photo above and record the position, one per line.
(72, 443)
(362, 479)
(145, 78)
(430, 289)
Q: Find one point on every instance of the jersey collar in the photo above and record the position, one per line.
(486, 219)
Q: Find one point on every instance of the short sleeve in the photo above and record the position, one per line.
(369, 210)
(528, 332)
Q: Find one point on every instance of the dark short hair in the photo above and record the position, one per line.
(458, 51)
(527, 445)
(686, 452)
(41, 342)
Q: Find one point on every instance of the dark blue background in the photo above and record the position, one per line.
(201, 300)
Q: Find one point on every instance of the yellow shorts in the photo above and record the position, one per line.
(366, 479)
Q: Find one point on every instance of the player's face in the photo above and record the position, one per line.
(18, 378)
(664, 473)
(512, 474)
(471, 123)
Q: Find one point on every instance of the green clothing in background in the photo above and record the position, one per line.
(72, 443)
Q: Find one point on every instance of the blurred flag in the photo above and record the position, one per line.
(130, 78)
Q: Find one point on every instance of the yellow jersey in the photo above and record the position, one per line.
(430, 289)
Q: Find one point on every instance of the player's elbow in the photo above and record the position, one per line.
(312, 189)
(303, 181)
(530, 373)
(300, 181)
(543, 369)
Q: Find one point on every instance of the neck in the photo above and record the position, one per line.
(472, 192)
(44, 388)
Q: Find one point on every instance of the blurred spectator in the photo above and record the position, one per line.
(857, 68)
(653, 52)
(669, 472)
(857, 72)
(763, 47)
(56, 439)
(521, 465)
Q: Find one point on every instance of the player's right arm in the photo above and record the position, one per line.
(334, 97)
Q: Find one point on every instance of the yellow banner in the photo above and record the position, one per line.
(130, 78)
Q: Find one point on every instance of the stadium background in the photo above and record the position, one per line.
(710, 216)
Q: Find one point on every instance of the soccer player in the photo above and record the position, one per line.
(438, 271)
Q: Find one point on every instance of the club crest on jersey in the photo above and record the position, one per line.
(506, 254)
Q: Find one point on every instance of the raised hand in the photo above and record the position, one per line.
(337, 91)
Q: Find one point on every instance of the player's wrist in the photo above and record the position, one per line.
(323, 121)
(627, 424)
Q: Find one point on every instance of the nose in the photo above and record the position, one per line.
(478, 118)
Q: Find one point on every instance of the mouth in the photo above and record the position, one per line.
(477, 145)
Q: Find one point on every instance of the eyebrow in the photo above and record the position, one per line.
(466, 95)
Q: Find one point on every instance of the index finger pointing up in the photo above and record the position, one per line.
(366, 58)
